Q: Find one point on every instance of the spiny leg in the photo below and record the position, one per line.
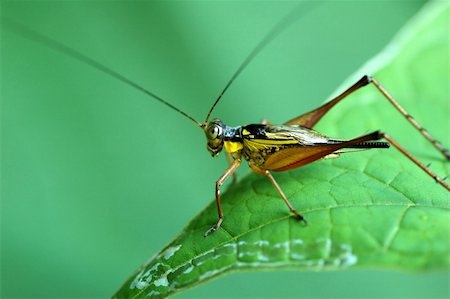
(415, 161)
(275, 184)
(230, 170)
(286, 201)
(411, 120)
(311, 118)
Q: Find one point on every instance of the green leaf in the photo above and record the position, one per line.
(371, 209)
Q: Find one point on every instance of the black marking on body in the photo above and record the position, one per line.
(257, 131)
(232, 134)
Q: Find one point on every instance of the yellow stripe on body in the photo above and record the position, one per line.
(232, 147)
(245, 132)
(269, 142)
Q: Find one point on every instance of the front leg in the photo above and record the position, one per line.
(231, 169)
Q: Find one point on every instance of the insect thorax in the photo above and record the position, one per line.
(250, 142)
(259, 142)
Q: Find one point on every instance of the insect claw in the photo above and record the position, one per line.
(210, 231)
(299, 217)
(213, 228)
(303, 220)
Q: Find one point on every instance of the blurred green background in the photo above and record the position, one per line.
(96, 177)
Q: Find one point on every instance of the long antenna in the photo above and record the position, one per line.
(61, 48)
(281, 25)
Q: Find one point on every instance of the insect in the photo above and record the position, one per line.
(268, 147)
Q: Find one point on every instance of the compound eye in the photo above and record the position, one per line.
(214, 132)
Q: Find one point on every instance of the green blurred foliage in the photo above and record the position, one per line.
(96, 177)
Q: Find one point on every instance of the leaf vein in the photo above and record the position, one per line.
(395, 230)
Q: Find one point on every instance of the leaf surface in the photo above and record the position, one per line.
(369, 209)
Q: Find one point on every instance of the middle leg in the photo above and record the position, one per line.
(275, 184)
